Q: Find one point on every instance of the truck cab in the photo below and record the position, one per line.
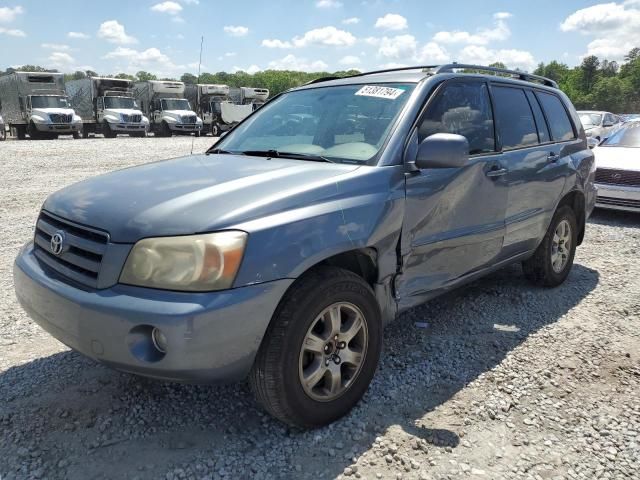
(169, 112)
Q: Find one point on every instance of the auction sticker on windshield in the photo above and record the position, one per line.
(380, 92)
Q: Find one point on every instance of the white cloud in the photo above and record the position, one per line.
(112, 31)
(55, 46)
(151, 58)
(615, 26)
(236, 30)
(398, 47)
(325, 36)
(349, 60)
(9, 14)
(478, 54)
(169, 7)
(250, 69)
(351, 21)
(275, 43)
(432, 53)
(499, 32)
(79, 35)
(392, 21)
(328, 4)
(291, 62)
(12, 32)
(60, 60)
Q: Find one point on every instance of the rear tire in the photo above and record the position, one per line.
(317, 359)
(21, 132)
(553, 259)
(3, 133)
(215, 130)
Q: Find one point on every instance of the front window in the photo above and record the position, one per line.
(628, 136)
(49, 101)
(590, 119)
(175, 104)
(120, 102)
(343, 124)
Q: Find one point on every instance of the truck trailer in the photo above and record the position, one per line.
(222, 107)
(35, 103)
(167, 108)
(107, 106)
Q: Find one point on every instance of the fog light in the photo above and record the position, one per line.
(159, 340)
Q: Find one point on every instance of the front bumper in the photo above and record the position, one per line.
(185, 127)
(211, 337)
(128, 127)
(618, 197)
(59, 127)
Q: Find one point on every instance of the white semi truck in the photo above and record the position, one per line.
(35, 104)
(168, 111)
(107, 106)
(221, 107)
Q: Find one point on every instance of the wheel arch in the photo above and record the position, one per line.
(575, 199)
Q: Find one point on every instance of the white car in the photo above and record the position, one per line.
(618, 169)
(599, 125)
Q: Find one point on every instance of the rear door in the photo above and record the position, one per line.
(454, 217)
(536, 173)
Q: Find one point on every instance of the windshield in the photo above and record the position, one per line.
(627, 136)
(175, 104)
(343, 124)
(49, 101)
(119, 102)
(590, 119)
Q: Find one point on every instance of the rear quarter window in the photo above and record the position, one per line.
(559, 122)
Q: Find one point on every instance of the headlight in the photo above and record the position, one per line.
(196, 263)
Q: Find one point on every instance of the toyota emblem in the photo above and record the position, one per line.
(57, 243)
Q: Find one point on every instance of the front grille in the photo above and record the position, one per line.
(60, 118)
(188, 119)
(618, 202)
(131, 118)
(82, 253)
(610, 176)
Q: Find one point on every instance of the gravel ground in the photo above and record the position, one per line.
(504, 381)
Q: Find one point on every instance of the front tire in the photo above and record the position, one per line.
(553, 259)
(107, 132)
(215, 130)
(321, 349)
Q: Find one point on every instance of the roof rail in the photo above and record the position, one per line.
(372, 72)
(527, 77)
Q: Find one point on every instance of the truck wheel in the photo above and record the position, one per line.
(165, 131)
(107, 132)
(77, 135)
(21, 132)
(34, 134)
(552, 261)
(215, 130)
(85, 132)
(321, 349)
(3, 134)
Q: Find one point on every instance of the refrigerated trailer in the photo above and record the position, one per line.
(167, 108)
(36, 104)
(107, 106)
(221, 107)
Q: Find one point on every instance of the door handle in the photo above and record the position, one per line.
(496, 171)
(553, 157)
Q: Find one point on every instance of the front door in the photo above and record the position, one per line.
(454, 217)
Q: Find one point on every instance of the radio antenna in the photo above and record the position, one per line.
(193, 139)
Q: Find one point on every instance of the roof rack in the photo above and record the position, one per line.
(527, 77)
(449, 68)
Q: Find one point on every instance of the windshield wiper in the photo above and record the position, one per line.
(217, 151)
(296, 156)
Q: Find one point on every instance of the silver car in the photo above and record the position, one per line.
(599, 125)
(618, 169)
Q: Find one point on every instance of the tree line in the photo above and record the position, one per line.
(595, 84)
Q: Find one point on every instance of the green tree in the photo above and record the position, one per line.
(189, 78)
(143, 76)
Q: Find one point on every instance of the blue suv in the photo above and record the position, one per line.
(281, 253)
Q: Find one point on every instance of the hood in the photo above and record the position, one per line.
(126, 111)
(194, 194)
(49, 111)
(179, 112)
(619, 158)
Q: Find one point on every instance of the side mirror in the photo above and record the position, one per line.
(443, 150)
(592, 142)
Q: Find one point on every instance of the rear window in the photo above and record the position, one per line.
(559, 123)
(514, 118)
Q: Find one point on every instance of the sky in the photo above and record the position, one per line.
(163, 37)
